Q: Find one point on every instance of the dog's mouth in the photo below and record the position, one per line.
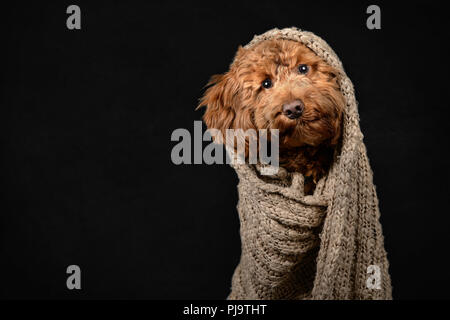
(303, 119)
(311, 123)
(308, 129)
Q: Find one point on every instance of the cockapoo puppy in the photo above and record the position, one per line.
(281, 84)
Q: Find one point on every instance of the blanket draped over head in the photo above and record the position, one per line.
(328, 245)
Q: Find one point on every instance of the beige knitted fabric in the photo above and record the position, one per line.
(328, 245)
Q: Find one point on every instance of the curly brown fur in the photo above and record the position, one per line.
(237, 99)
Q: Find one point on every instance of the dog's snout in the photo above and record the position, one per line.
(293, 109)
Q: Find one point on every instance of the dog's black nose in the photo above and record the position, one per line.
(294, 109)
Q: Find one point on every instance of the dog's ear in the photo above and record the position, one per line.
(221, 100)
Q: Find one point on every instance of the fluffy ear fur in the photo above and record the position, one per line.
(221, 100)
(224, 108)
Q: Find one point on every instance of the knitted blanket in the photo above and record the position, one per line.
(328, 245)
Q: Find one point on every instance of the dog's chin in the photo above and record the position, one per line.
(296, 133)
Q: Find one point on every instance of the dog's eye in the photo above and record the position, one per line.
(303, 69)
(267, 83)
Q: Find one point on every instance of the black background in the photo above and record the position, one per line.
(87, 117)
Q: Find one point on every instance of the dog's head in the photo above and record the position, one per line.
(277, 84)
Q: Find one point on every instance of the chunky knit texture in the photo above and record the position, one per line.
(316, 246)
